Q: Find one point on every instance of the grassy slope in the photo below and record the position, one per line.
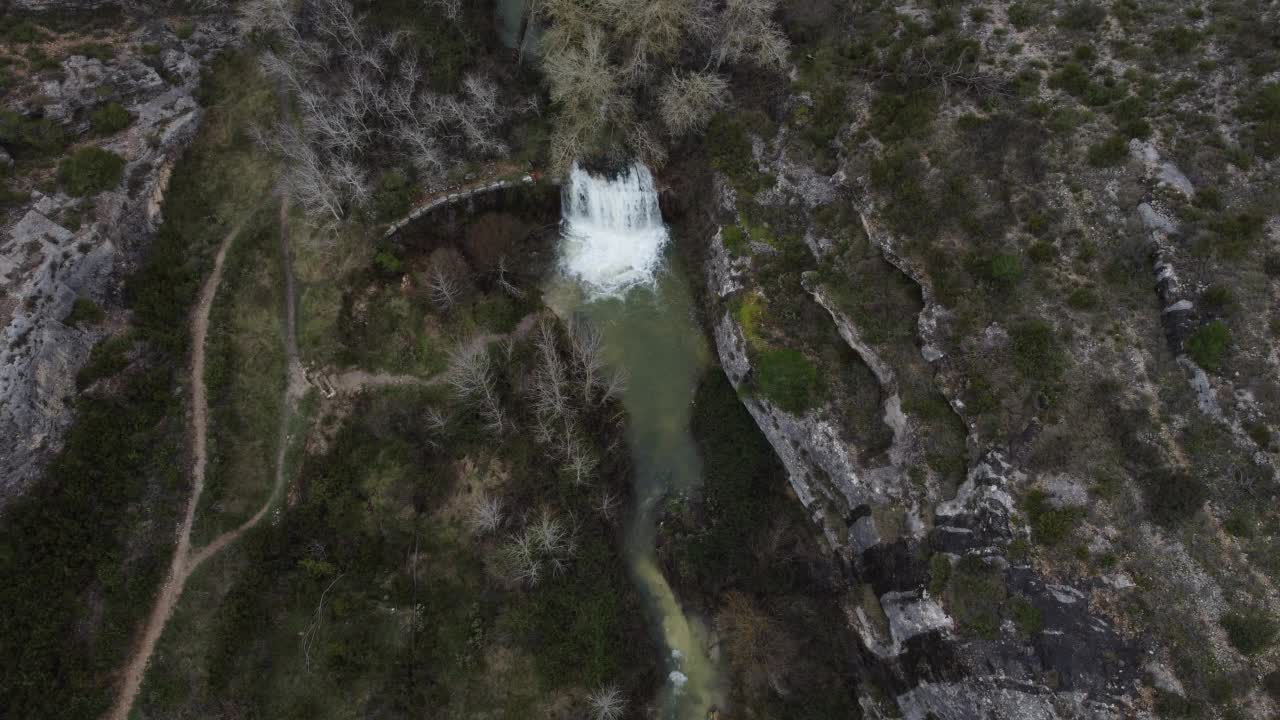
(79, 557)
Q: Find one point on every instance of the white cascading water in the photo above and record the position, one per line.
(613, 241)
(613, 231)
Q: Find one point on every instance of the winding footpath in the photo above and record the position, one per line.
(185, 560)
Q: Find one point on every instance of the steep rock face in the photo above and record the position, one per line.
(46, 263)
(1074, 664)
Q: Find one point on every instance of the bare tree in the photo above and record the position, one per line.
(552, 540)
(507, 286)
(451, 9)
(616, 385)
(687, 101)
(656, 31)
(550, 378)
(517, 562)
(312, 633)
(470, 120)
(586, 344)
(607, 703)
(746, 32)
(606, 504)
(444, 290)
(580, 461)
(307, 174)
(590, 92)
(265, 16)
(485, 515)
(356, 90)
(546, 544)
(471, 377)
(435, 419)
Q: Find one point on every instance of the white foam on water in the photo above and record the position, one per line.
(677, 679)
(613, 231)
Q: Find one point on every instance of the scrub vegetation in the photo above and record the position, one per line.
(116, 486)
(1010, 267)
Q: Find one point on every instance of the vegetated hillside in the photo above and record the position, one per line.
(1049, 232)
(993, 287)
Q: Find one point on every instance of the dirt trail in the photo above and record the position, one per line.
(349, 382)
(186, 560)
(180, 568)
(295, 389)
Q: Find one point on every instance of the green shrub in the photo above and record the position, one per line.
(1026, 616)
(107, 358)
(900, 113)
(25, 137)
(40, 60)
(1271, 683)
(1036, 350)
(1049, 525)
(1109, 152)
(1083, 299)
(1082, 16)
(735, 241)
(386, 263)
(13, 197)
(184, 30)
(1004, 270)
(787, 378)
(1208, 344)
(1042, 252)
(1073, 78)
(109, 118)
(939, 573)
(1027, 82)
(1172, 497)
(728, 142)
(84, 310)
(1241, 524)
(1236, 233)
(394, 196)
(1208, 199)
(1218, 299)
(96, 50)
(1250, 631)
(1023, 15)
(1178, 39)
(1263, 109)
(1258, 432)
(1098, 94)
(90, 171)
(25, 32)
(974, 596)
(1065, 120)
(1136, 129)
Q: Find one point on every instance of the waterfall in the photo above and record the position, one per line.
(613, 241)
(613, 231)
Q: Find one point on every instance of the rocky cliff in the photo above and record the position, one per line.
(58, 251)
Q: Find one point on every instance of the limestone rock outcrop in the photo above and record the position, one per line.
(58, 248)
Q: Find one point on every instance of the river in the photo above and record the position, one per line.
(617, 270)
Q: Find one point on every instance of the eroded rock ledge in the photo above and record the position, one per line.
(57, 249)
(1076, 665)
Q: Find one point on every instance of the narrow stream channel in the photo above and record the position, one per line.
(617, 273)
